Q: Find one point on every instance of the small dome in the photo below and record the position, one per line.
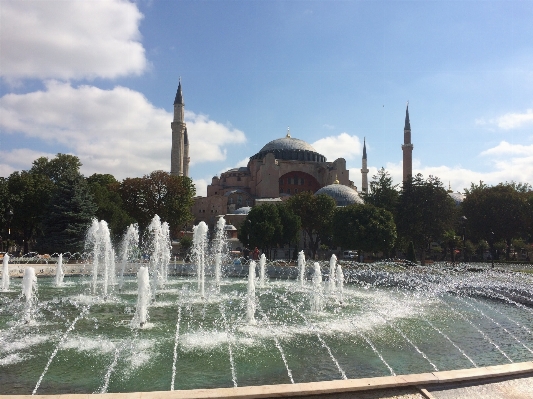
(242, 211)
(457, 197)
(343, 195)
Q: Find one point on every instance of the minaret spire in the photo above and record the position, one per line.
(364, 170)
(407, 147)
(407, 123)
(179, 156)
(179, 95)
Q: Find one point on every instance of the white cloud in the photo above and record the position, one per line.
(505, 162)
(511, 120)
(114, 131)
(70, 39)
(341, 146)
(19, 159)
(514, 120)
(201, 187)
(505, 148)
(208, 137)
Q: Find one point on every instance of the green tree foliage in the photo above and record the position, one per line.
(262, 227)
(68, 216)
(56, 168)
(425, 212)
(159, 193)
(291, 224)
(497, 213)
(30, 195)
(316, 215)
(364, 227)
(383, 193)
(185, 244)
(5, 206)
(451, 243)
(411, 253)
(104, 188)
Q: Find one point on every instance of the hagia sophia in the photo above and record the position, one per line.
(283, 167)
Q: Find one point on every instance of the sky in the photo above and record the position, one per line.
(97, 79)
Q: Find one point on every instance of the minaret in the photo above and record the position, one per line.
(364, 170)
(407, 148)
(186, 158)
(179, 157)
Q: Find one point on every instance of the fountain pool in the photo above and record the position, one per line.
(389, 320)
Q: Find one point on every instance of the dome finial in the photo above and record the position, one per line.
(336, 180)
(288, 132)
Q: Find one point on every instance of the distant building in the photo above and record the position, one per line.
(283, 167)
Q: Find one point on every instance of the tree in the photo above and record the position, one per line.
(159, 193)
(452, 242)
(291, 224)
(383, 193)
(411, 253)
(364, 227)
(262, 227)
(425, 212)
(69, 215)
(104, 188)
(56, 168)
(5, 207)
(497, 213)
(316, 215)
(30, 196)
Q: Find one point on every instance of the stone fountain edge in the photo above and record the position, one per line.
(313, 388)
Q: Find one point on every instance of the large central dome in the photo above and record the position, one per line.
(287, 143)
(290, 148)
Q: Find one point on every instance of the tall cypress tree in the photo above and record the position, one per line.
(69, 215)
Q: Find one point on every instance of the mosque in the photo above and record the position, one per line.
(283, 167)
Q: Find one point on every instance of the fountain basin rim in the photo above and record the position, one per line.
(314, 388)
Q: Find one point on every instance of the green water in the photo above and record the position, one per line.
(215, 345)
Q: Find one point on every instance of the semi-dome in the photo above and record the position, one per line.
(242, 210)
(457, 197)
(290, 148)
(343, 195)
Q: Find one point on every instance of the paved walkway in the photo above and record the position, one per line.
(520, 387)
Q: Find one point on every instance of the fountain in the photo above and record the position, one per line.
(99, 244)
(29, 287)
(212, 328)
(332, 269)
(301, 267)
(129, 246)
(316, 294)
(218, 248)
(143, 298)
(199, 254)
(262, 277)
(59, 271)
(250, 299)
(5, 273)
